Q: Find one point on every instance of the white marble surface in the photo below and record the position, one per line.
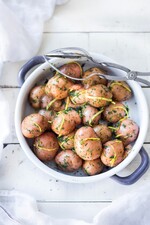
(120, 30)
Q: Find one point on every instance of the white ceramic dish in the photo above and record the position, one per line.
(137, 105)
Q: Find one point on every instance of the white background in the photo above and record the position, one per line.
(118, 29)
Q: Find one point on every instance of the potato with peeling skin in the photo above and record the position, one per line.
(68, 161)
(90, 115)
(46, 146)
(98, 96)
(120, 90)
(67, 141)
(87, 144)
(112, 153)
(65, 122)
(127, 131)
(93, 167)
(103, 132)
(34, 125)
(35, 96)
(58, 86)
(72, 69)
(95, 79)
(115, 112)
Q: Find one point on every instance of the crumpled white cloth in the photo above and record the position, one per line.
(131, 209)
(21, 27)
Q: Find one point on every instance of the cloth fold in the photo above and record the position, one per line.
(132, 209)
(21, 28)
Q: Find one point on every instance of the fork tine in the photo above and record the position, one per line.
(108, 77)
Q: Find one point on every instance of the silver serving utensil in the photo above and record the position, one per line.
(79, 53)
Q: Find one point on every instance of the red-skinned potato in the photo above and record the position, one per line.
(67, 141)
(72, 69)
(75, 87)
(90, 115)
(93, 167)
(58, 86)
(47, 102)
(120, 90)
(127, 131)
(46, 146)
(87, 144)
(65, 122)
(98, 96)
(68, 104)
(95, 79)
(68, 161)
(103, 132)
(35, 96)
(34, 125)
(115, 112)
(49, 115)
(112, 153)
(78, 96)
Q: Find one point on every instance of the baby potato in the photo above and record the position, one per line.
(67, 141)
(75, 87)
(49, 115)
(68, 104)
(78, 96)
(35, 96)
(68, 161)
(93, 167)
(87, 144)
(98, 96)
(115, 112)
(72, 69)
(103, 132)
(90, 115)
(47, 102)
(127, 131)
(57, 105)
(95, 79)
(65, 122)
(112, 153)
(58, 86)
(120, 90)
(34, 125)
(46, 146)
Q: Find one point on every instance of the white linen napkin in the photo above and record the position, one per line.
(21, 27)
(131, 209)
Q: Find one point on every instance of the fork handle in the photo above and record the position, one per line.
(143, 74)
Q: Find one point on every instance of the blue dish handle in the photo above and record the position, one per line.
(26, 67)
(136, 175)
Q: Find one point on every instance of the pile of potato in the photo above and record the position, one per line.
(80, 124)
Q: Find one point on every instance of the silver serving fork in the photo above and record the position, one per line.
(79, 53)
